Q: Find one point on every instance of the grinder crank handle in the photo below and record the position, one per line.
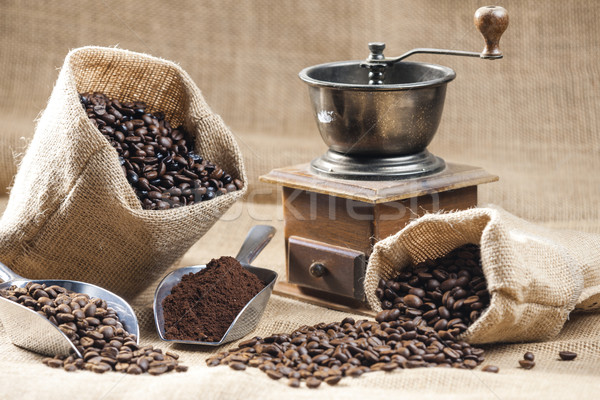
(491, 21)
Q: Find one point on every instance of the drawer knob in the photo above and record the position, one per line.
(317, 270)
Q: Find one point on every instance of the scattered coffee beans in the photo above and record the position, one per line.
(158, 161)
(490, 368)
(529, 356)
(203, 305)
(95, 330)
(425, 308)
(328, 352)
(567, 355)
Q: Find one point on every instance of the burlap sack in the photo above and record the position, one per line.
(72, 214)
(536, 276)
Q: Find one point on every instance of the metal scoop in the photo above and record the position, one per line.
(247, 319)
(29, 330)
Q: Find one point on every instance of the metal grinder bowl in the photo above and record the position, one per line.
(379, 115)
(397, 118)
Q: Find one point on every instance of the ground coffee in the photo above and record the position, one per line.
(160, 162)
(95, 330)
(203, 305)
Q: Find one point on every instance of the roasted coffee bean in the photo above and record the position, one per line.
(529, 356)
(101, 368)
(55, 363)
(413, 301)
(313, 383)
(134, 369)
(567, 355)
(526, 364)
(181, 368)
(238, 366)
(158, 370)
(294, 382)
(491, 368)
(273, 374)
(333, 380)
(141, 144)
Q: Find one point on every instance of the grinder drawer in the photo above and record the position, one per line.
(324, 267)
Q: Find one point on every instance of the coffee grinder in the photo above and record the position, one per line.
(377, 116)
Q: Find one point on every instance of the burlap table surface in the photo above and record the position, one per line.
(532, 118)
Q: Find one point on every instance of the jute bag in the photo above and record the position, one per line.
(536, 276)
(71, 212)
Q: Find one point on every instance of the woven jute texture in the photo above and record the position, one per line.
(23, 373)
(532, 118)
(536, 276)
(72, 214)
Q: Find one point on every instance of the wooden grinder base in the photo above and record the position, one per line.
(332, 224)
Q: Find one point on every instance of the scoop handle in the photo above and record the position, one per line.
(7, 275)
(256, 240)
(491, 21)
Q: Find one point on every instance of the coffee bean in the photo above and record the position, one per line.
(134, 369)
(181, 368)
(273, 374)
(491, 368)
(567, 355)
(313, 383)
(413, 301)
(238, 366)
(158, 370)
(389, 366)
(294, 382)
(333, 380)
(54, 363)
(101, 368)
(529, 356)
(526, 364)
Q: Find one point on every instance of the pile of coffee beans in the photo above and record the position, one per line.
(328, 352)
(425, 307)
(159, 162)
(95, 330)
(447, 294)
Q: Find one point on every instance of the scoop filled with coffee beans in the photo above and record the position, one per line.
(426, 307)
(95, 330)
(159, 162)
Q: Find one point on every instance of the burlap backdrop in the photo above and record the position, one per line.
(532, 118)
(536, 276)
(72, 214)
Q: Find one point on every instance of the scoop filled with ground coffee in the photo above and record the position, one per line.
(202, 306)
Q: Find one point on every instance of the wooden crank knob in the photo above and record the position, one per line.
(491, 21)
